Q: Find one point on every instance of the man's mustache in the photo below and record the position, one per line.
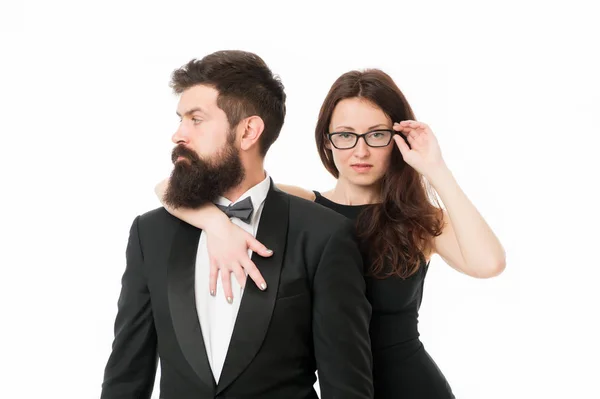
(183, 151)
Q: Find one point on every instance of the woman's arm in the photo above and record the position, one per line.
(227, 244)
(209, 215)
(467, 243)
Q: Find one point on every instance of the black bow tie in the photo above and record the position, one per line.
(241, 210)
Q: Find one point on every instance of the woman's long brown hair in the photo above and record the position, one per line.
(395, 234)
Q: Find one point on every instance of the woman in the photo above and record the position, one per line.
(386, 165)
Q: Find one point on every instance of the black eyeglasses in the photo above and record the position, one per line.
(374, 138)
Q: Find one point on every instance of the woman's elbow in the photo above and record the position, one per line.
(492, 268)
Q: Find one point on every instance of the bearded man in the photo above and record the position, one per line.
(264, 341)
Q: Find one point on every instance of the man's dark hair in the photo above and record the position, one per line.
(246, 87)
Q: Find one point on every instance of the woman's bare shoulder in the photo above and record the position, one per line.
(297, 191)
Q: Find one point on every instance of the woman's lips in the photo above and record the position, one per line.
(361, 167)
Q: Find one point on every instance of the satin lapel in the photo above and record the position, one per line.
(182, 301)
(257, 306)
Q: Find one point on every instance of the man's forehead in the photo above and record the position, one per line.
(198, 98)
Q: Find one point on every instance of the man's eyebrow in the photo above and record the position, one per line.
(191, 111)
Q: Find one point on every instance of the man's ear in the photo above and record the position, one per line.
(253, 128)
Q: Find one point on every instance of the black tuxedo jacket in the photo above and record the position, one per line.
(313, 315)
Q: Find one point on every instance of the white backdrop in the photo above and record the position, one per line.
(509, 88)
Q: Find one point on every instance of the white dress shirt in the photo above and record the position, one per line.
(216, 315)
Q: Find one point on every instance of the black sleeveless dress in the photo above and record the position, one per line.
(401, 366)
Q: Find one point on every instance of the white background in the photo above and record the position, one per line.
(511, 89)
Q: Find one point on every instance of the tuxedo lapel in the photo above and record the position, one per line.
(256, 307)
(182, 301)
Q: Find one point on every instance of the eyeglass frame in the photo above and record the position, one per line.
(363, 135)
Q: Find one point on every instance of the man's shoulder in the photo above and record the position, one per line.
(315, 216)
(157, 218)
(156, 227)
(156, 214)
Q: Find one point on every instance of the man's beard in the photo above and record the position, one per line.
(195, 181)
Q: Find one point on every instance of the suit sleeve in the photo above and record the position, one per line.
(131, 368)
(341, 316)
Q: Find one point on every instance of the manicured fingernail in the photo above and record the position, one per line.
(212, 292)
(229, 299)
(263, 286)
(269, 251)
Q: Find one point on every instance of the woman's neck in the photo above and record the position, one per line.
(346, 193)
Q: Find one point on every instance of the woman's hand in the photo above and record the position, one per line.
(228, 246)
(424, 153)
